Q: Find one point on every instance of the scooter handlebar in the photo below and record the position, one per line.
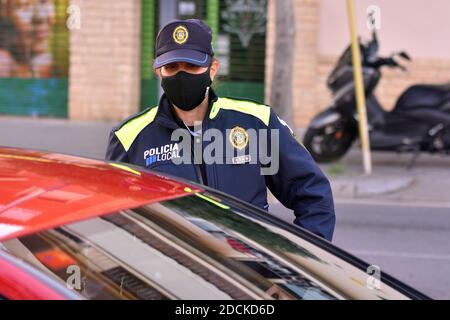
(390, 62)
(394, 64)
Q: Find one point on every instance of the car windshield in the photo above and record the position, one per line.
(196, 247)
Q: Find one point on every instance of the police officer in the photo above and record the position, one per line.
(184, 62)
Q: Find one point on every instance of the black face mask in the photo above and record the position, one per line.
(186, 90)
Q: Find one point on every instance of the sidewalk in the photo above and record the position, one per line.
(427, 182)
(81, 138)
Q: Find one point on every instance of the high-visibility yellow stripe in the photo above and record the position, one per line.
(259, 111)
(130, 130)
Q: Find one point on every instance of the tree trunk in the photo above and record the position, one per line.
(281, 86)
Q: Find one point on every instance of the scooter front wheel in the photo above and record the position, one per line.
(329, 143)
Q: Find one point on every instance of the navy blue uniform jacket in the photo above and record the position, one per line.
(144, 139)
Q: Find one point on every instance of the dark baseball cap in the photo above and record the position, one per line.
(184, 41)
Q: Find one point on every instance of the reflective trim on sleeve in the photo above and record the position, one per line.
(130, 130)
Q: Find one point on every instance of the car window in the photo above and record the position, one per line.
(296, 267)
(195, 247)
(242, 247)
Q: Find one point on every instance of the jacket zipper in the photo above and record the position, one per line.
(196, 166)
(198, 173)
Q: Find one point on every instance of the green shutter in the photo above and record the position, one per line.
(245, 78)
(149, 28)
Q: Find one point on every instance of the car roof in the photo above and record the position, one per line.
(41, 190)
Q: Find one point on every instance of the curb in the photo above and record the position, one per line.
(364, 186)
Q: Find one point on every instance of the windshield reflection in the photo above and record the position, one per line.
(194, 247)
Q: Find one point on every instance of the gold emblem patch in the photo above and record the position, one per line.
(180, 34)
(238, 138)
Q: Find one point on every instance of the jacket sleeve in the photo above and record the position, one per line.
(300, 185)
(115, 150)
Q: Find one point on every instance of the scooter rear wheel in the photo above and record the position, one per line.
(329, 143)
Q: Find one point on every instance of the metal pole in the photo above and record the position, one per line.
(359, 90)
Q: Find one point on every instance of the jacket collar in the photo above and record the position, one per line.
(167, 117)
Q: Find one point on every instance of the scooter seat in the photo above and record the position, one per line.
(423, 96)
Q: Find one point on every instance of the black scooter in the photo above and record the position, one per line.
(420, 120)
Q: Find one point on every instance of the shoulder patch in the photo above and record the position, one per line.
(128, 132)
(255, 109)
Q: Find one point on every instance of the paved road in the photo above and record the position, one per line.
(83, 138)
(410, 242)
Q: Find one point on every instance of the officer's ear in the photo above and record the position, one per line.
(214, 68)
(158, 72)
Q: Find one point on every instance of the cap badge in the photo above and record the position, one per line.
(238, 138)
(180, 34)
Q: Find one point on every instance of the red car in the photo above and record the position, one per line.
(75, 228)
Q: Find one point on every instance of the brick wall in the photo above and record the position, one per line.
(305, 61)
(311, 69)
(393, 81)
(104, 78)
(270, 47)
(304, 86)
